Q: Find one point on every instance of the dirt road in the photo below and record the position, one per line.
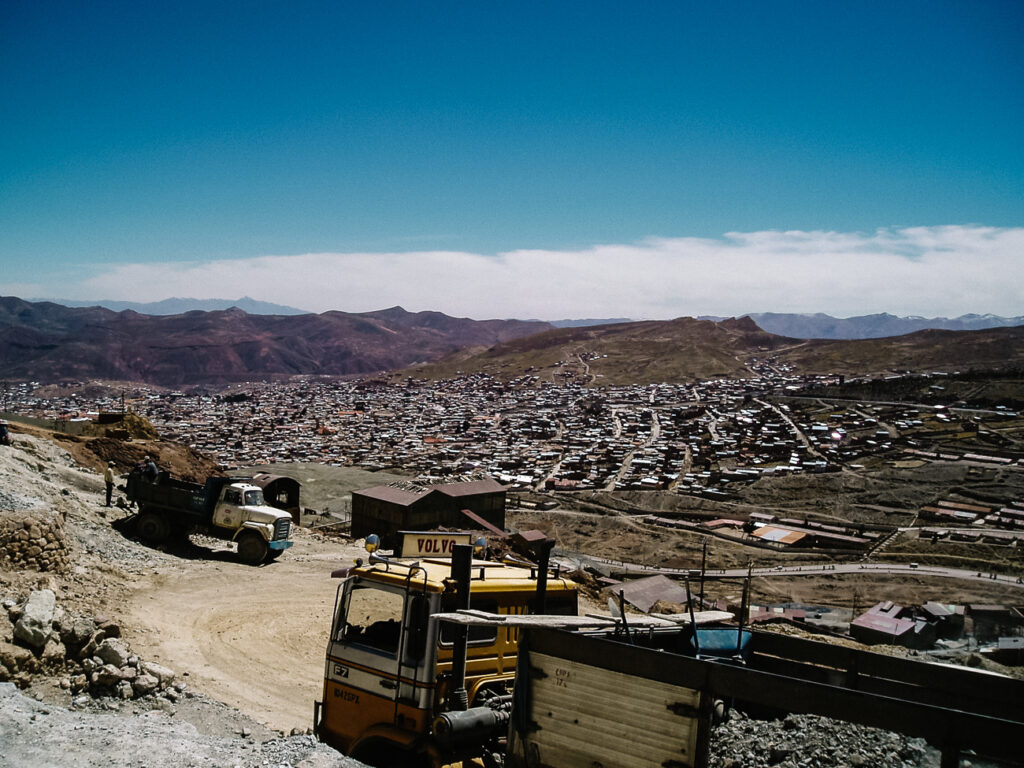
(253, 638)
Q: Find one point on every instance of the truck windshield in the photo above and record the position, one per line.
(254, 499)
(374, 619)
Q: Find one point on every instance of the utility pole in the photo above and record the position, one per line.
(703, 569)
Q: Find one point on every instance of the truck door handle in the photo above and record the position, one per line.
(388, 684)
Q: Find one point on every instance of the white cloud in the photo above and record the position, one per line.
(947, 270)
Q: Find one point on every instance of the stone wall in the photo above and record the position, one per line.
(33, 540)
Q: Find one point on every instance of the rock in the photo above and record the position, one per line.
(89, 649)
(145, 684)
(14, 657)
(128, 672)
(114, 651)
(161, 673)
(79, 632)
(164, 705)
(110, 629)
(34, 627)
(54, 653)
(125, 690)
(106, 676)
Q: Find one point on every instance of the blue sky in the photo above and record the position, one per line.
(642, 159)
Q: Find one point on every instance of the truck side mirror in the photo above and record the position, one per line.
(417, 619)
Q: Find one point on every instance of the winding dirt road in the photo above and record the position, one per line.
(253, 638)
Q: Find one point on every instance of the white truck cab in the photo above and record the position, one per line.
(260, 530)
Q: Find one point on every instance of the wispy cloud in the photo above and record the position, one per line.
(948, 270)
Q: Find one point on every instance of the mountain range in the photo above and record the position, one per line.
(43, 341)
(800, 326)
(49, 342)
(821, 326)
(178, 306)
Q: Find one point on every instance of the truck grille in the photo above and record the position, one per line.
(282, 528)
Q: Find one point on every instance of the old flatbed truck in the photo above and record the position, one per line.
(227, 508)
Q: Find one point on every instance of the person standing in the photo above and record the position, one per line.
(108, 478)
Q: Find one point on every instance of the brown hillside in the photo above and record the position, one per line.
(685, 349)
(49, 342)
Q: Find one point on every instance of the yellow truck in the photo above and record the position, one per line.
(404, 689)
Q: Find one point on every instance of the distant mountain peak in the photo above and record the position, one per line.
(879, 325)
(179, 306)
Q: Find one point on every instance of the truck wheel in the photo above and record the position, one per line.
(152, 528)
(252, 548)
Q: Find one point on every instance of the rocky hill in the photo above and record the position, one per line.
(49, 342)
(686, 349)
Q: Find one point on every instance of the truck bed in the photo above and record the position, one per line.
(171, 493)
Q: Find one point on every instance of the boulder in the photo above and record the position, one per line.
(54, 653)
(89, 649)
(34, 627)
(114, 651)
(15, 658)
(145, 684)
(163, 674)
(76, 631)
(106, 676)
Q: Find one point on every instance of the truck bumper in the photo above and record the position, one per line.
(281, 545)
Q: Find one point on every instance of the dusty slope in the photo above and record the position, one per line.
(252, 637)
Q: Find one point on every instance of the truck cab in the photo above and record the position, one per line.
(260, 529)
(389, 665)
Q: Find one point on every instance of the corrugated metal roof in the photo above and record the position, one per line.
(470, 488)
(644, 593)
(781, 535)
(390, 493)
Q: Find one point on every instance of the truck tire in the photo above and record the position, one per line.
(252, 548)
(152, 527)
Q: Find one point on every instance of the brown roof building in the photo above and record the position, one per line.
(387, 509)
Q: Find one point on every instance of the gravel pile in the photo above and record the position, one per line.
(40, 735)
(17, 502)
(806, 741)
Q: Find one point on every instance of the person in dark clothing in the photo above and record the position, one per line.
(149, 470)
(5, 435)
